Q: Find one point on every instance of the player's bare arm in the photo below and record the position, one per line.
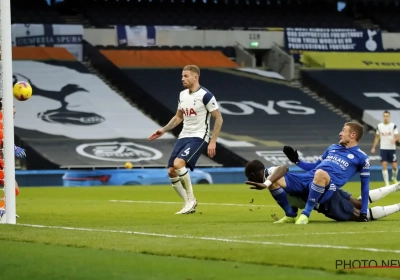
(217, 116)
(176, 120)
(376, 141)
(396, 138)
(279, 172)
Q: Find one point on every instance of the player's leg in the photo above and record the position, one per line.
(292, 185)
(376, 212)
(184, 177)
(173, 174)
(16, 192)
(394, 166)
(297, 202)
(275, 182)
(377, 194)
(339, 207)
(384, 162)
(3, 199)
(188, 158)
(278, 192)
(343, 207)
(379, 212)
(317, 190)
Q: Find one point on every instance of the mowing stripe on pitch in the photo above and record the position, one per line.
(226, 240)
(201, 203)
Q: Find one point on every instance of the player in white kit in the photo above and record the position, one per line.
(388, 133)
(195, 106)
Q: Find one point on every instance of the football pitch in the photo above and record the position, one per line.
(133, 233)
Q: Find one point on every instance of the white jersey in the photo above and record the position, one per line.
(196, 108)
(387, 133)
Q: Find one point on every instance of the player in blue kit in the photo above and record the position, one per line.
(340, 207)
(333, 170)
(338, 164)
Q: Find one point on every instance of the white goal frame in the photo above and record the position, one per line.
(8, 112)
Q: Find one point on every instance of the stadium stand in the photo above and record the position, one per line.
(149, 104)
(75, 120)
(388, 20)
(214, 14)
(227, 51)
(260, 116)
(208, 15)
(35, 11)
(384, 13)
(364, 95)
(174, 58)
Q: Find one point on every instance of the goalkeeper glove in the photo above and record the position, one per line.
(291, 154)
(19, 152)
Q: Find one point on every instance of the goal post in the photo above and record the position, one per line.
(8, 112)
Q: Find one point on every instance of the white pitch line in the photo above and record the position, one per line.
(313, 233)
(227, 240)
(201, 203)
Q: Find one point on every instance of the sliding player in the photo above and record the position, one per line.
(340, 207)
(332, 171)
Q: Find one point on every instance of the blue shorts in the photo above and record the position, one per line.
(338, 207)
(388, 156)
(298, 184)
(188, 149)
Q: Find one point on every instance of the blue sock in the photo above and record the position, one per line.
(316, 192)
(281, 197)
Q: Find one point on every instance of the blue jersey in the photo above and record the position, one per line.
(343, 163)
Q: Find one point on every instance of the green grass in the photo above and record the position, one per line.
(86, 236)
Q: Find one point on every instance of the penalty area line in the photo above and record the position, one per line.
(226, 240)
(206, 203)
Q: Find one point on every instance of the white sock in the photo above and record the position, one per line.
(379, 212)
(187, 183)
(385, 174)
(394, 174)
(176, 183)
(380, 193)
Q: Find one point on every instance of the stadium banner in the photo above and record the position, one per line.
(141, 35)
(68, 36)
(365, 95)
(347, 60)
(298, 40)
(243, 132)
